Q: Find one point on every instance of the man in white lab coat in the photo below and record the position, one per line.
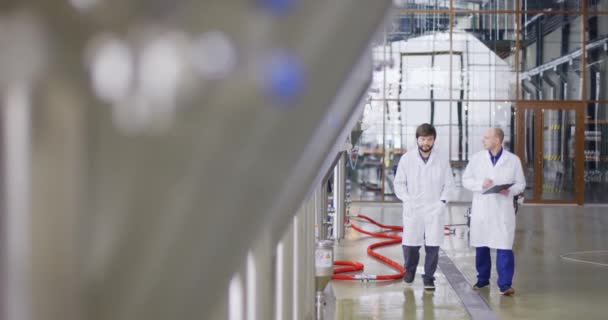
(493, 214)
(424, 183)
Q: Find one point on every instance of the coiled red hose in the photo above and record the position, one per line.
(352, 266)
(356, 266)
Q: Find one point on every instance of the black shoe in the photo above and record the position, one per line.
(409, 276)
(429, 285)
(480, 285)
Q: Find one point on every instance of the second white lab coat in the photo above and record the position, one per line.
(493, 215)
(422, 187)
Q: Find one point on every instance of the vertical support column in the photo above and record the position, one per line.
(304, 306)
(298, 233)
(385, 109)
(339, 179)
(304, 301)
(309, 290)
(320, 211)
(450, 75)
(283, 276)
(16, 224)
(580, 114)
(260, 278)
(518, 22)
(236, 296)
(538, 152)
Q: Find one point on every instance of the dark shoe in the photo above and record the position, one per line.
(409, 276)
(429, 285)
(480, 285)
(509, 292)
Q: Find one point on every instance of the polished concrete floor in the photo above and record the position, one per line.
(547, 285)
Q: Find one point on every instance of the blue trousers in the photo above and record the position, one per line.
(505, 266)
(411, 256)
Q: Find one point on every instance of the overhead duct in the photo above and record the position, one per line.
(546, 77)
(532, 88)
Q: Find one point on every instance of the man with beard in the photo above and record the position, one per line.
(424, 183)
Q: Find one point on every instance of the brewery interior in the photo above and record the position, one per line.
(181, 159)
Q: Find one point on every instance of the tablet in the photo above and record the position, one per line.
(497, 188)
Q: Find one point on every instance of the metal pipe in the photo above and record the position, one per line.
(320, 211)
(309, 252)
(385, 104)
(298, 265)
(554, 86)
(16, 291)
(112, 250)
(284, 275)
(597, 107)
(563, 143)
(339, 176)
(525, 87)
(525, 15)
(568, 58)
(325, 225)
(496, 23)
(260, 279)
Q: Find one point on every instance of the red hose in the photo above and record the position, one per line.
(353, 266)
(357, 266)
(395, 239)
(395, 228)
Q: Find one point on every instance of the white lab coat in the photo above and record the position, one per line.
(422, 187)
(493, 215)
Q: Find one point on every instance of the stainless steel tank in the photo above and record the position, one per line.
(146, 143)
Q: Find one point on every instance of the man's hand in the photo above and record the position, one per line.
(504, 192)
(487, 183)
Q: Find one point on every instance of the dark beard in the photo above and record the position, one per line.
(422, 150)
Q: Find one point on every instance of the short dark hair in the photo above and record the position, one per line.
(425, 130)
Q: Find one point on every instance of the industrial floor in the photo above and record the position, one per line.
(547, 285)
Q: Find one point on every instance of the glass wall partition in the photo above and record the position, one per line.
(465, 66)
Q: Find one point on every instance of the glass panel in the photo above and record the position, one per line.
(381, 60)
(545, 5)
(422, 4)
(558, 155)
(597, 53)
(551, 57)
(404, 26)
(365, 162)
(483, 65)
(552, 5)
(597, 5)
(485, 5)
(529, 153)
(483, 79)
(596, 154)
(424, 74)
(396, 144)
(364, 167)
(401, 123)
(478, 116)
